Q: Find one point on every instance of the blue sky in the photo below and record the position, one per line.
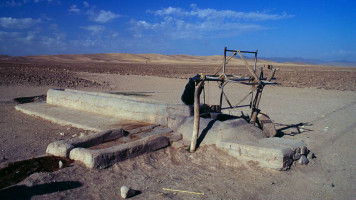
(308, 29)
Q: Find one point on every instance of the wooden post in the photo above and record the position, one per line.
(198, 89)
(255, 104)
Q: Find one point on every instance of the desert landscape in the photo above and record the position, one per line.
(312, 103)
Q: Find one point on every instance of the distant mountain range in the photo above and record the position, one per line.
(159, 58)
(311, 61)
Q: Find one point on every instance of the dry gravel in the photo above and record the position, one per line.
(60, 74)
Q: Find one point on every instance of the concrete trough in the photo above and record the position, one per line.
(102, 111)
(101, 150)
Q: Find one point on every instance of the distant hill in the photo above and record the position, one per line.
(160, 58)
(298, 60)
(122, 58)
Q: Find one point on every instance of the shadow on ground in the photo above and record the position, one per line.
(18, 171)
(292, 129)
(138, 94)
(22, 100)
(26, 193)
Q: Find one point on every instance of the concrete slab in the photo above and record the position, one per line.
(119, 106)
(66, 116)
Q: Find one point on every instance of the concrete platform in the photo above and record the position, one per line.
(117, 106)
(123, 115)
(76, 118)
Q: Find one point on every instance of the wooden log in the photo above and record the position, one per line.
(193, 143)
(255, 105)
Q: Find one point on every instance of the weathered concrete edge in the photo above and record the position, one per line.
(103, 158)
(63, 147)
(267, 155)
(54, 119)
(128, 108)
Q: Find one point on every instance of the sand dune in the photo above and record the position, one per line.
(126, 58)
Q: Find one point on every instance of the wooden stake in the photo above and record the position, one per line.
(198, 89)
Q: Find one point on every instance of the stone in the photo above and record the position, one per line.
(127, 192)
(303, 160)
(297, 156)
(304, 150)
(60, 164)
(59, 148)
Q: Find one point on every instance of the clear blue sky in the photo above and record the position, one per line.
(314, 29)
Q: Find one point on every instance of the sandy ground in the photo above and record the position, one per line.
(326, 119)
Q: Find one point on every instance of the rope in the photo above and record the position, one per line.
(244, 98)
(249, 68)
(216, 71)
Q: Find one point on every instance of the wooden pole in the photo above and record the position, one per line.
(198, 89)
(255, 104)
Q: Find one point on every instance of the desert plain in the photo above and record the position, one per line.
(312, 103)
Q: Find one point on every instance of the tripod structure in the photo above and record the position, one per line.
(257, 83)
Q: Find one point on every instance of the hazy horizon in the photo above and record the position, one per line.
(318, 30)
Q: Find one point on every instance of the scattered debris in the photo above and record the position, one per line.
(183, 191)
(311, 156)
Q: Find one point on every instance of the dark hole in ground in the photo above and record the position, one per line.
(23, 192)
(22, 100)
(139, 94)
(18, 171)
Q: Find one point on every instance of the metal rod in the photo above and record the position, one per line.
(254, 68)
(241, 51)
(224, 60)
(227, 108)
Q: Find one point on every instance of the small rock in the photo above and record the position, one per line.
(311, 156)
(61, 133)
(74, 135)
(60, 164)
(126, 192)
(82, 135)
(297, 156)
(303, 160)
(304, 150)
